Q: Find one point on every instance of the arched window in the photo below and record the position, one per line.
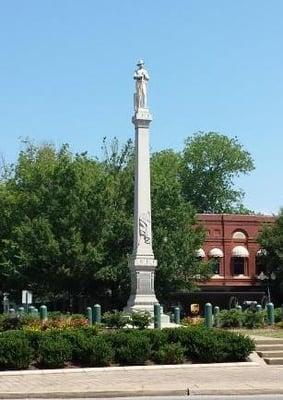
(239, 260)
(216, 254)
(200, 253)
(239, 235)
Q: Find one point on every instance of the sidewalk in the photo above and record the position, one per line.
(235, 378)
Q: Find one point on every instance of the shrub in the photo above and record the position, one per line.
(94, 351)
(157, 338)
(10, 323)
(171, 353)
(53, 351)
(131, 348)
(231, 318)
(140, 319)
(278, 314)
(211, 345)
(253, 319)
(15, 351)
(116, 319)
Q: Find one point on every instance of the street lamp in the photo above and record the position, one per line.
(267, 277)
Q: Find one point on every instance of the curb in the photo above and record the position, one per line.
(253, 361)
(141, 393)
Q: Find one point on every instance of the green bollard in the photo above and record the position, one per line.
(238, 307)
(43, 313)
(21, 311)
(97, 313)
(177, 318)
(35, 312)
(208, 315)
(270, 313)
(89, 315)
(258, 308)
(216, 316)
(12, 312)
(157, 316)
(172, 318)
(30, 309)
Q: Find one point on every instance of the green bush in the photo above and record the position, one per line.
(15, 351)
(157, 338)
(116, 319)
(131, 348)
(211, 345)
(140, 319)
(8, 323)
(277, 314)
(253, 319)
(53, 350)
(94, 351)
(171, 353)
(231, 318)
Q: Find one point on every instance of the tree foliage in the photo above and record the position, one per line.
(211, 162)
(271, 240)
(66, 219)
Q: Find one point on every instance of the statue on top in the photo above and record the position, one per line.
(141, 77)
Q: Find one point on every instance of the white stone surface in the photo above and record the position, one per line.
(142, 262)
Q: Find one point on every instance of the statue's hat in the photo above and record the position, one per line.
(140, 62)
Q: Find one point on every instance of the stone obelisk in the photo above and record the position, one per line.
(142, 263)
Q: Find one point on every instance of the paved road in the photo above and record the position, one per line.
(195, 397)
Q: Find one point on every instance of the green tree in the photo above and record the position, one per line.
(271, 240)
(211, 162)
(175, 231)
(67, 224)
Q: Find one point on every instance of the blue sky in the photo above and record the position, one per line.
(66, 76)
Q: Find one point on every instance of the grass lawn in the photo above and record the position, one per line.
(273, 332)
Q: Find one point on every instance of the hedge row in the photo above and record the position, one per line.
(250, 319)
(93, 348)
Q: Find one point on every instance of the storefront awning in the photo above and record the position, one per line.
(200, 253)
(240, 251)
(216, 252)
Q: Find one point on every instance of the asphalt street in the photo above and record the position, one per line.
(195, 397)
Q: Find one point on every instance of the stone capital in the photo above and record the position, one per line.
(142, 118)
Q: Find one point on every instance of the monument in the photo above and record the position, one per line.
(142, 263)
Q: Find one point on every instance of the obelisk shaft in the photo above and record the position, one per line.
(142, 263)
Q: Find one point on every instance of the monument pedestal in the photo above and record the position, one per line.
(142, 295)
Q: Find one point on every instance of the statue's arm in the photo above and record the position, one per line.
(146, 75)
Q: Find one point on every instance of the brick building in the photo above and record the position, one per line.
(231, 241)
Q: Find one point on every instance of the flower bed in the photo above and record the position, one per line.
(96, 347)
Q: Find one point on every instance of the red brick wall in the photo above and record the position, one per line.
(220, 229)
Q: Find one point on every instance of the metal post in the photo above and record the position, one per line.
(97, 313)
(238, 307)
(177, 317)
(21, 311)
(208, 315)
(89, 315)
(216, 316)
(43, 313)
(6, 303)
(270, 314)
(12, 312)
(157, 316)
(258, 308)
(30, 309)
